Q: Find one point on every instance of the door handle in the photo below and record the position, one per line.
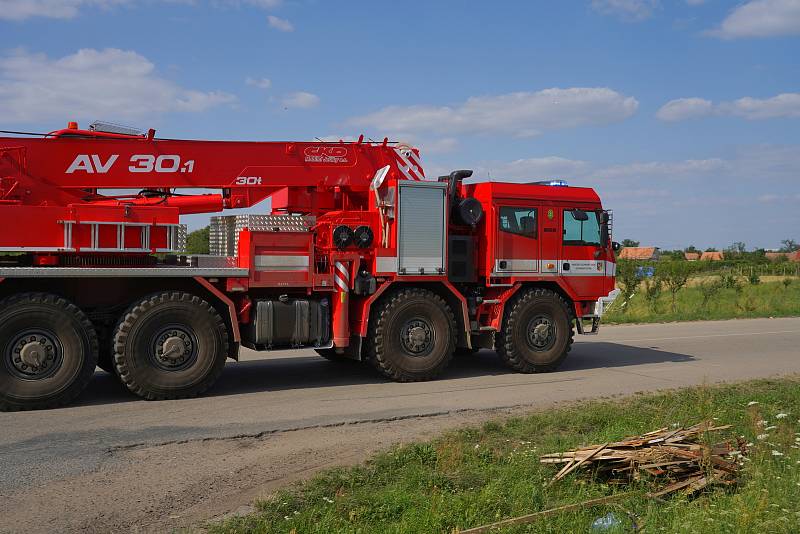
(565, 266)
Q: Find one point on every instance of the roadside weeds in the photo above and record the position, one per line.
(477, 476)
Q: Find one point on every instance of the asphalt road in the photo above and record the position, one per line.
(114, 462)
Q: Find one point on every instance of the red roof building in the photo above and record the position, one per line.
(639, 253)
(712, 256)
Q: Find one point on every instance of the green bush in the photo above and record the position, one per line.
(675, 275)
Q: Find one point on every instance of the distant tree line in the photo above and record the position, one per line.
(737, 252)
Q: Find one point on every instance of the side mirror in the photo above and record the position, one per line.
(604, 218)
(579, 215)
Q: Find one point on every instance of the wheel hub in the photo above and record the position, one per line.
(174, 348)
(417, 337)
(34, 354)
(541, 333)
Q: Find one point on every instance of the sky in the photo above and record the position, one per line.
(684, 115)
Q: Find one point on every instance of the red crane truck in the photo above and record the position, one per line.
(361, 258)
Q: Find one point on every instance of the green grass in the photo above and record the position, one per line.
(476, 476)
(767, 299)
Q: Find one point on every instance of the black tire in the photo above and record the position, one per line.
(60, 359)
(412, 335)
(537, 332)
(188, 329)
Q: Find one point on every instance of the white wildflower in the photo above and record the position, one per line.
(752, 403)
(762, 437)
(782, 415)
(777, 453)
(773, 427)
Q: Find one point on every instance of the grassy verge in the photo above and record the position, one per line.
(766, 299)
(476, 476)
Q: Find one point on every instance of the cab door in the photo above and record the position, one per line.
(517, 248)
(582, 263)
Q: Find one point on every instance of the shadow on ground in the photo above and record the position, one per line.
(311, 371)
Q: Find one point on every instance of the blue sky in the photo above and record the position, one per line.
(684, 114)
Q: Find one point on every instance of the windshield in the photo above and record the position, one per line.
(582, 233)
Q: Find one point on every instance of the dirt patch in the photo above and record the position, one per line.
(181, 485)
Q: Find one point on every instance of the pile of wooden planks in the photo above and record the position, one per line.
(683, 459)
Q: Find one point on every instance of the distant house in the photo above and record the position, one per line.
(639, 253)
(691, 256)
(791, 256)
(712, 256)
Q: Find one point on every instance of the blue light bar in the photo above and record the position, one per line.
(555, 183)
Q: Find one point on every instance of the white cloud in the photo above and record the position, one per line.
(521, 114)
(90, 84)
(67, 9)
(337, 138)
(261, 83)
(685, 108)
(440, 146)
(280, 24)
(532, 169)
(265, 4)
(56, 9)
(631, 10)
(669, 170)
(785, 105)
(761, 18)
(301, 100)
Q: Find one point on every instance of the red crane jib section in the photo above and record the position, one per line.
(72, 190)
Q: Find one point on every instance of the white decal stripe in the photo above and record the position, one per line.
(341, 284)
(341, 277)
(404, 170)
(343, 270)
(409, 167)
(418, 163)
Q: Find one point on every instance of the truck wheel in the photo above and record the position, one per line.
(170, 345)
(412, 335)
(49, 351)
(537, 332)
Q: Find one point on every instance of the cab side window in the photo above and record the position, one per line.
(581, 232)
(519, 220)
